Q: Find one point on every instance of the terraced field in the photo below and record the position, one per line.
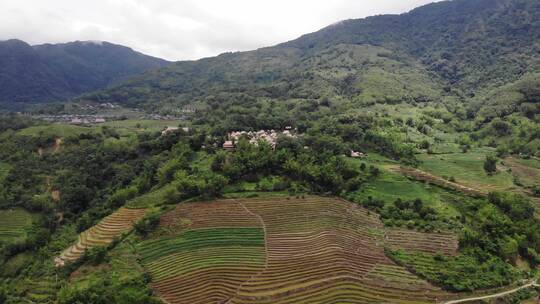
(13, 224)
(280, 250)
(431, 243)
(208, 250)
(102, 234)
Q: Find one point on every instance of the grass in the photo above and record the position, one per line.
(532, 162)
(56, 130)
(525, 171)
(123, 127)
(467, 169)
(153, 198)
(390, 186)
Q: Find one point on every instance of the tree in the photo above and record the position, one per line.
(509, 249)
(147, 224)
(96, 255)
(490, 165)
(424, 144)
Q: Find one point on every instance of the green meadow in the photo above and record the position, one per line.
(467, 169)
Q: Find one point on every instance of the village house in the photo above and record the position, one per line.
(168, 130)
(355, 154)
(270, 136)
(229, 145)
(172, 129)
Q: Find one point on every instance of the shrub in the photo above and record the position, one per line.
(424, 144)
(490, 164)
(110, 289)
(96, 255)
(147, 224)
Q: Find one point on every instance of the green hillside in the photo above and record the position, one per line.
(391, 159)
(469, 46)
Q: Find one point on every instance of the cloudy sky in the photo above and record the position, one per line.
(182, 29)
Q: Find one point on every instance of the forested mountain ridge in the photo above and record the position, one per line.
(453, 48)
(56, 72)
(468, 43)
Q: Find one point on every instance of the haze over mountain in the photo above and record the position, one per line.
(56, 72)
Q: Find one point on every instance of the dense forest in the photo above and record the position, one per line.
(57, 72)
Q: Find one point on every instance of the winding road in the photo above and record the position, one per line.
(500, 294)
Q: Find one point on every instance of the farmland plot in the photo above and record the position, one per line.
(208, 251)
(103, 233)
(279, 250)
(13, 224)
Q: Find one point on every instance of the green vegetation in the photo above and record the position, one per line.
(497, 232)
(490, 165)
(201, 238)
(461, 273)
(107, 288)
(55, 72)
(14, 224)
(55, 130)
(4, 170)
(389, 187)
(398, 94)
(120, 280)
(467, 169)
(147, 224)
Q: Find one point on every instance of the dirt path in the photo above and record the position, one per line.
(265, 266)
(497, 295)
(57, 143)
(437, 180)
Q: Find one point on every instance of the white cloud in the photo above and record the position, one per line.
(182, 29)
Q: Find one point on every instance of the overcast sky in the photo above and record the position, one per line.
(182, 29)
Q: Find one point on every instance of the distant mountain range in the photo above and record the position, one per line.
(56, 72)
(461, 49)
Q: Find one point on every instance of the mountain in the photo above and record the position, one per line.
(460, 49)
(53, 72)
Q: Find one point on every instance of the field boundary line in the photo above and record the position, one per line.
(424, 176)
(496, 295)
(265, 266)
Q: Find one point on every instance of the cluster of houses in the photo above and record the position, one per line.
(270, 136)
(72, 118)
(106, 105)
(356, 154)
(162, 117)
(87, 120)
(169, 129)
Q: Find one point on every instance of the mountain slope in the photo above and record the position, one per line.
(468, 43)
(53, 72)
(461, 48)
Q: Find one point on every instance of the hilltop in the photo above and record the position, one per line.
(57, 72)
(460, 48)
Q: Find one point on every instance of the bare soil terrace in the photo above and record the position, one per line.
(282, 250)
